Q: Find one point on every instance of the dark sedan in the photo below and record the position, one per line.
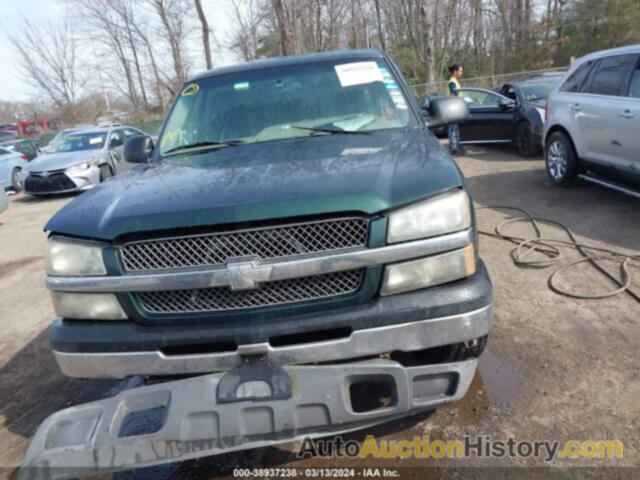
(512, 113)
(530, 95)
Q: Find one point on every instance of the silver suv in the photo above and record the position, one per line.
(592, 127)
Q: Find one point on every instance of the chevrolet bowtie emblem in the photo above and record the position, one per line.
(246, 274)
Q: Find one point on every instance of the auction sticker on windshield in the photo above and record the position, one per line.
(358, 73)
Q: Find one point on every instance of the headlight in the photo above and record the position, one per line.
(79, 169)
(446, 213)
(87, 306)
(428, 272)
(541, 112)
(63, 257)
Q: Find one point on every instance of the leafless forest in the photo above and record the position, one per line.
(132, 55)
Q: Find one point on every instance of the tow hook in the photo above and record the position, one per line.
(471, 343)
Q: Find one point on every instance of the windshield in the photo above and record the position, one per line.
(537, 90)
(280, 103)
(74, 142)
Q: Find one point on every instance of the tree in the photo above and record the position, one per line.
(283, 31)
(109, 18)
(173, 14)
(125, 10)
(49, 61)
(379, 25)
(205, 34)
(426, 30)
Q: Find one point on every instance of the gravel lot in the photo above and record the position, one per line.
(556, 368)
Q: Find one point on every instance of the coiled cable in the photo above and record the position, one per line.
(549, 247)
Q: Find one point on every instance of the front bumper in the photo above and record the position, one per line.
(405, 337)
(59, 181)
(432, 317)
(93, 438)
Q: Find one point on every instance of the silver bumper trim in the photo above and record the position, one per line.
(373, 341)
(87, 439)
(248, 273)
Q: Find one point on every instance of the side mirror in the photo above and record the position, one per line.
(138, 149)
(445, 111)
(506, 104)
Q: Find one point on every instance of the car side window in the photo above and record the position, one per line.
(477, 98)
(634, 86)
(117, 139)
(609, 75)
(577, 78)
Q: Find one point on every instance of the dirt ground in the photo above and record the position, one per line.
(556, 368)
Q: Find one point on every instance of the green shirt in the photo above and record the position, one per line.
(454, 86)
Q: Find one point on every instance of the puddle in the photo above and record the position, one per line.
(473, 407)
(9, 267)
(499, 378)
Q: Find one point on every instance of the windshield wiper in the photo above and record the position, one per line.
(206, 143)
(331, 130)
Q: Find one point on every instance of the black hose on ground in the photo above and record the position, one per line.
(549, 248)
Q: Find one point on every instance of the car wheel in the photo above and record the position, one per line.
(16, 183)
(105, 172)
(524, 140)
(561, 159)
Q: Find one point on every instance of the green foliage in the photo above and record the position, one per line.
(593, 25)
(45, 138)
(269, 46)
(408, 62)
(152, 127)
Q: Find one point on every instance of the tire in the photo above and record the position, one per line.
(105, 172)
(561, 160)
(16, 184)
(525, 141)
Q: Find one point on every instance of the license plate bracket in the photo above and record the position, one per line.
(254, 368)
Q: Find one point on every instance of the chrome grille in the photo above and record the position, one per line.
(273, 293)
(264, 243)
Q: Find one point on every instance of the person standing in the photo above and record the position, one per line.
(453, 86)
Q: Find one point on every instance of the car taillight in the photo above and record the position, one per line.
(24, 157)
(546, 111)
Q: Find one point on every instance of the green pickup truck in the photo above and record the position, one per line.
(295, 256)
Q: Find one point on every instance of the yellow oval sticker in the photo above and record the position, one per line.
(190, 90)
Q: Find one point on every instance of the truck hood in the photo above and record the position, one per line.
(280, 179)
(58, 161)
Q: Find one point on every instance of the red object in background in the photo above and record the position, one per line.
(27, 128)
